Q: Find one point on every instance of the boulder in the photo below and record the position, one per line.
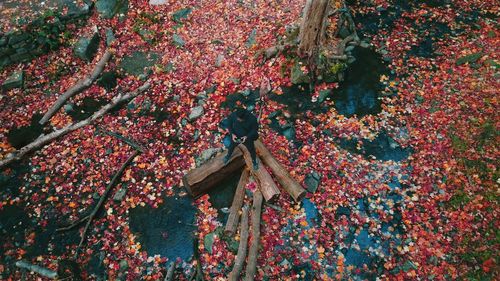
(86, 48)
(110, 36)
(109, 8)
(157, 2)
(120, 194)
(16, 80)
(196, 112)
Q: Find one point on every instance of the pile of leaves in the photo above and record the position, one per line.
(432, 215)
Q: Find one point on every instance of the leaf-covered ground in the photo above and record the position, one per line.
(430, 212)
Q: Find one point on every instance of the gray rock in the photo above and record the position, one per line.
(110, 36)
(219, 60)
(176, 98)
(298, 76)
(196, 112)
(202, 95)
(178, 41)
(68, 107)
(138, 62)
(16, 80)
(157, 2)
(123, 264)
(120, 194)
(196, 135)
(312, 181)
(109, 8)
(86, 48)
(351, 59)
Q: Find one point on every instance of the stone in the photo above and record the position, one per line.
(219, 60)
(202, 95)
(181, 14)
(157, 2)
(68, 107)
(196, 112)
(110, 36)
(86, 48)
(351, 59)
(138, 62)
(178, 41)
(120, 194)
(109, 8)
(312, 181)
(16, 80)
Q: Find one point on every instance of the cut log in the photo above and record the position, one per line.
(77, 88)
(45, 272)
(253, 251)
(242, 248)
(313, 25)
(234, 211)
(284, 178)
(200, 180)
(264, 180)
(45, 139)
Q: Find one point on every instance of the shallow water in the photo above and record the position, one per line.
(167, 230)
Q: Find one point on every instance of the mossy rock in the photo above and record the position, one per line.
(138, 62)
(86, 48)
(109, 8)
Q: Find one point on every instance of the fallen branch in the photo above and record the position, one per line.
(242, 248)
(234, 211)
(126, 140)
(104, 196)
(45, 272)
(77, 88)
(286, 181)
(264, 180)
(78, 222)
(45, 139)
(170, 272)
(253, 251)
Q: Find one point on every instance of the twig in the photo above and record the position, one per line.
(77, 88)
(78, 222)
(126, 140)
(103, 198)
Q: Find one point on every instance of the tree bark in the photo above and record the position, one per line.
(264, 180)
(234, 211)
(313, 26)
(45, 139)
(200, 180)
(77, 88)
(45, 272)
(286, 181)
(253, 251)
(242, 248)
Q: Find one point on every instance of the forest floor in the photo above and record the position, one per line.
(400, 159)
